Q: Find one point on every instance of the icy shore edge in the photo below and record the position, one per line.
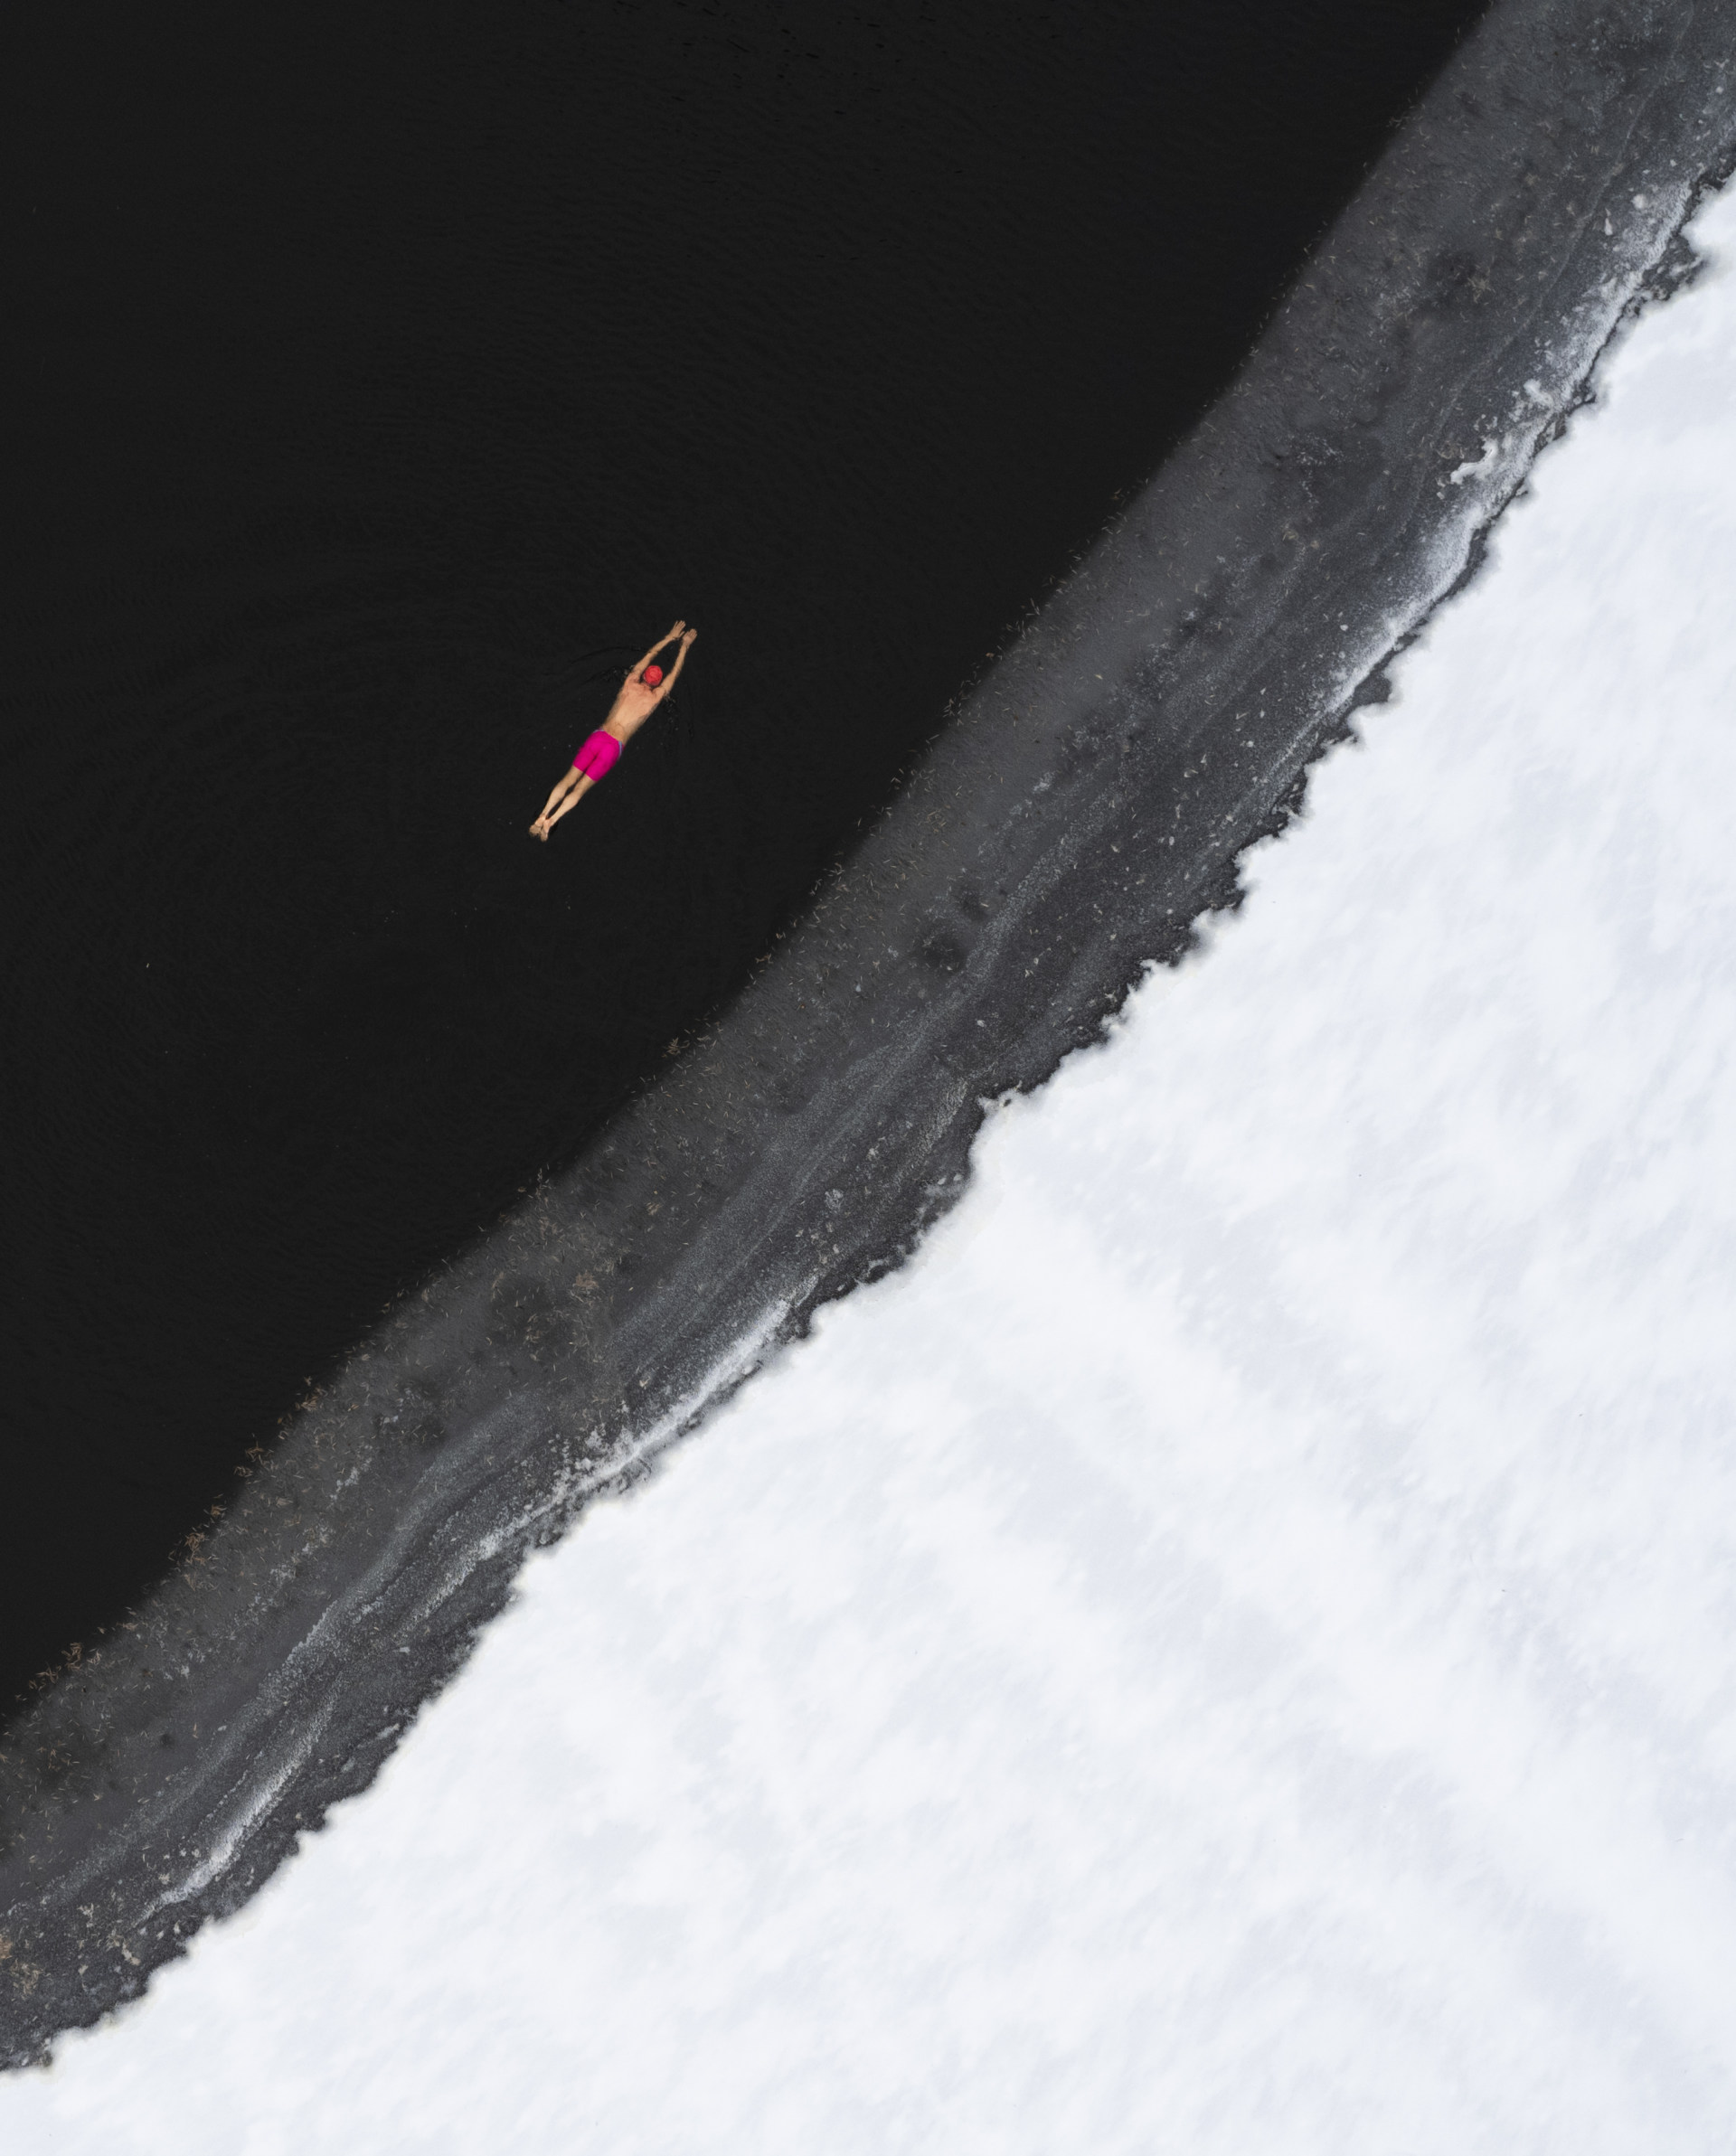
(1085, 806)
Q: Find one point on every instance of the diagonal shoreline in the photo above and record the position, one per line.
(1165, 703)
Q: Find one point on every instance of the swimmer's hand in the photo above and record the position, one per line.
(689, 637)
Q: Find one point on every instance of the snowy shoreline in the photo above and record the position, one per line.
(805, 1146)
(1229, 1649)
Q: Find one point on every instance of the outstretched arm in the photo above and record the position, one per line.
(669, 679)
(640, 666)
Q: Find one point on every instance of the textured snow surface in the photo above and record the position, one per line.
(1233, 1648)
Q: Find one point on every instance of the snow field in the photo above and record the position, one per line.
(1231, 1648)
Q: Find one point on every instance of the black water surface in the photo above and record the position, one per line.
(379, 380)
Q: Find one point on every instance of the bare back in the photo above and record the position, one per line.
(633, 705)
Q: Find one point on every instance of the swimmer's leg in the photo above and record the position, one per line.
(571, 800)
(539, 829)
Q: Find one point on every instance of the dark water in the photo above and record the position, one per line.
(378, 381)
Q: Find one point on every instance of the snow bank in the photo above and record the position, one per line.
(1231, 1648)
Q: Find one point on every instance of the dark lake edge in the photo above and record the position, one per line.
(1085, 805)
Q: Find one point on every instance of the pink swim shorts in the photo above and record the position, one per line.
(599, 757)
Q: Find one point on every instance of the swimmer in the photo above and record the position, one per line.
(641, 693)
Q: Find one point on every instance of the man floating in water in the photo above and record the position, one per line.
(641, 693)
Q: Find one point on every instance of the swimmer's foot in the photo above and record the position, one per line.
(539, 829)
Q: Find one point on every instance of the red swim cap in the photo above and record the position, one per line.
(653, 674)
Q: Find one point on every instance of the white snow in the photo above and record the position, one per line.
(1233, 1650)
